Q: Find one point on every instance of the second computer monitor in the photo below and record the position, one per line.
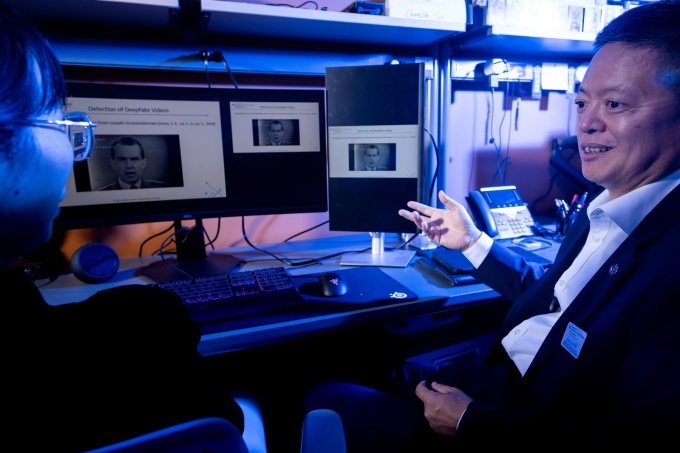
(375, 136)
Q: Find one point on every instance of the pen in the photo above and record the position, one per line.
(579, 205)
(565, 206)
(572, 206)
(582, 200)
(561, 212)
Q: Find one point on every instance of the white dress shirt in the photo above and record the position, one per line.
(611, 222)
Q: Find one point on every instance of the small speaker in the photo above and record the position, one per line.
(94, 263)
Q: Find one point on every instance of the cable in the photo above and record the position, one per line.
(436, 168)
(245, 237)
(307, 230)
(502, 162)
(492, 140)
(219, 57)
(141, 247)
(316, 5)
(404, 244)
(306, 262)
(211, 242)
(205, 56)
(507, 161)
(177, 268)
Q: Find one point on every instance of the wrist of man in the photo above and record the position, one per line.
(472, 240)
(478, 251)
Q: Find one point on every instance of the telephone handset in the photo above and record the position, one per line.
(501, 212)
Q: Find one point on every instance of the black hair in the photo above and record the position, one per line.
(372, 147)
(32, 80)
(126, 140)
(654, 25)
(273, 122)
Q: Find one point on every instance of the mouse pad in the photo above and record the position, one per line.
(368, 286)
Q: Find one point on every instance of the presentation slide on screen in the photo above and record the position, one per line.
(181, 142)
(265, 127)
(391, 151)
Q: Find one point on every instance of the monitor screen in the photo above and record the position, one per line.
(375, 136)
(207, 153)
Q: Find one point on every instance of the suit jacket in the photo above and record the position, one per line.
(269, 143)
(624, 385)
(379, 168)
(146, 184)
(119, 364)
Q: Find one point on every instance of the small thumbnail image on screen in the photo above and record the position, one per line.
(372, 157)
(120, 162)
(276, 132)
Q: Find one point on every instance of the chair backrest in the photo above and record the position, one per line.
(205, 435)
(322, 432)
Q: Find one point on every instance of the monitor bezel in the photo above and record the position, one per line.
(267, 198)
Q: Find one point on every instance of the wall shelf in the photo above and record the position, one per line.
(155, 14)
(260, 38)
(506, 41)
(255, 38)
(246, 19)
(181, 57)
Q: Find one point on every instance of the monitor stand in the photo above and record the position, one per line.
(378, 256)
(192, 260)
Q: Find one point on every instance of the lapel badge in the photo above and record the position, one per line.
(613, 269)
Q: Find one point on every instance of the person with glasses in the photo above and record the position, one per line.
(82, 375)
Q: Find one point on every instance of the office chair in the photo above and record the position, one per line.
(322, 432)
(209, 435)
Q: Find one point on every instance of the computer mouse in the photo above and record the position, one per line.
(333, 284)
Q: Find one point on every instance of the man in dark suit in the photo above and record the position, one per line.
(129, 161)
(589, 352)
(372, 159)
(276, 134)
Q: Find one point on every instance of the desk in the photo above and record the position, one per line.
(434, 293)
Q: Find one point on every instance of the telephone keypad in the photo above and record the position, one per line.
(513, 222)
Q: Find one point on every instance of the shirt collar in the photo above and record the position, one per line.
(628, 210)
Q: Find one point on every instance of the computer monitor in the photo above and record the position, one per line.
(375, 143)
(207, 154)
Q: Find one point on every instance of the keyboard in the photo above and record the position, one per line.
(236, 295)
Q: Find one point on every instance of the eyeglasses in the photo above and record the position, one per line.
(79, 129)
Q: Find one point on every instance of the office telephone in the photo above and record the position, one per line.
(501, 212)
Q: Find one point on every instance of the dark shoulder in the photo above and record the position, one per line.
(135, 294)
(140, 309)
(150, 183)
(112, 186)
(140, 298)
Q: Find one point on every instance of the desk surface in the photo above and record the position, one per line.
(434, 293)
